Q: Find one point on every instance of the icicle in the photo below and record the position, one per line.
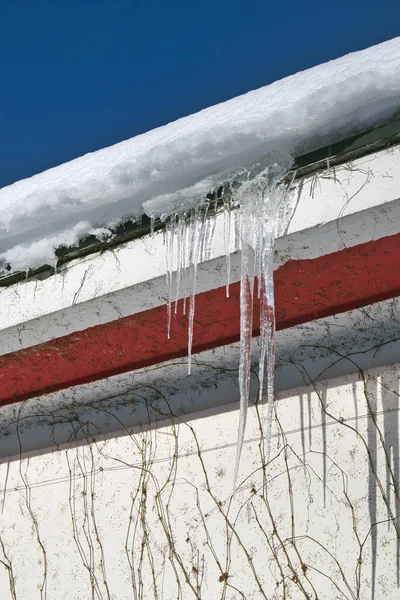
(267, 332)
(198, 220)
(266, 295)
(258, 208)
(248, 268)
(169, 243)
(185, 258)
(227, 242)
(188, 241)
(208, 232)
(180, 231)
(246, 331)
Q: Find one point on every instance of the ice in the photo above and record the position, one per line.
(187, 241)
(267, 332)
(227, 241)
(180, 257)
(246, 334)
(196, 226)
(169, 256)
(259, 199)
(171, 169)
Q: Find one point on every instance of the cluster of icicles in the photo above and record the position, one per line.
(188, 239)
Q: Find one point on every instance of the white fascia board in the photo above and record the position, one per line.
(342, 206)
(347, 189)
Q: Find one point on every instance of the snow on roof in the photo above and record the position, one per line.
(170, 169)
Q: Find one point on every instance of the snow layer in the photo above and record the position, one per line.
(170, 169)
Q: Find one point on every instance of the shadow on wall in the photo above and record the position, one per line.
(352, 425)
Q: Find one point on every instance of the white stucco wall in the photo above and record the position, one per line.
(151, 514)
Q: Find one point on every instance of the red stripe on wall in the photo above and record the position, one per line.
(305, 290)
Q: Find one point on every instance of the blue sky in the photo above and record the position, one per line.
(79, 75)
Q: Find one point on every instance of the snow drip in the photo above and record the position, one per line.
(188, 239)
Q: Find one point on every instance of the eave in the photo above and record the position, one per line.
(315, 277)
(344, 151)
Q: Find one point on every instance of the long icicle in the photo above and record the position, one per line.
(185, 259)
(246, 333)
(267, 308)
(169, 251)
(227, 242)
(257, 199)
(180, 256)
(258, 206)
(248, 235)
(198, 230)
(267, 332)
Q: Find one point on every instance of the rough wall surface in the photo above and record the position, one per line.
(151, 514)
